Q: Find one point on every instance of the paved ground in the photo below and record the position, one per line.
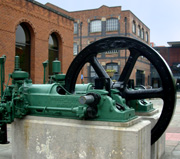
(172, 150)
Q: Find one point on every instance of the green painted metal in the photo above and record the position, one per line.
(23, 98)
(83, 88)
(56, 66)
(57, 76)
(141, 105)
(18, 74)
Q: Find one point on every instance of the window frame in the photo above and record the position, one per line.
(23, 46)
(146, 36)
(95, 26)
(75, 28)
(134, 27)
(112, 24)
(53, 51)
(139, 31)
(142, 33)
(75, 49)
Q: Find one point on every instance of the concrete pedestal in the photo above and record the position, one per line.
(55, 138)
(158, 148)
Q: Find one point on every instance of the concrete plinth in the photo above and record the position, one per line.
(158, 148)
(55, 138)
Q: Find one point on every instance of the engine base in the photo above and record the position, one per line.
(56, 138)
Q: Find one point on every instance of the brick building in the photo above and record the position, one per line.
(171, 55)
(94, 24)
(36, 33)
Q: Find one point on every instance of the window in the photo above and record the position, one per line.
(53, 50)
(112, 24)
(23, 46)
(146, 36)
(142, 33)
(95, 26)
(139, 31)
(112, 51)
(75, 49)
(140, 78)
(134, 27)
(75, 28)
(113, 66)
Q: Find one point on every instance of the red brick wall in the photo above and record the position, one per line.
(170, 54)
(41, 23)
(103, 13)
(174, 55)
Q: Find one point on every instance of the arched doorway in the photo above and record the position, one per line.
(53, 50)
(23, 46)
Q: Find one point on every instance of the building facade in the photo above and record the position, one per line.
(94, 24)
(36, 33)
(171, 55)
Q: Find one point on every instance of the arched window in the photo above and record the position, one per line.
(53, 50)
(139, 31)
(112, 24)
(142, 33)
(147, 37)
(23, 46)
(134, 27)
(95, 26)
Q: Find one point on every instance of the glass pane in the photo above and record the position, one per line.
(140, 78)
(20, 35)
(112, 25)
(23, 46)
(139, 31)
(146, 36)
(95, 26)
(75, 51)
(142, 33)
(75, 28)
(24, 53)
(134, 27)
(53, 42)
(115, 67)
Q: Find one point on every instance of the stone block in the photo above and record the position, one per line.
(57, 138)
(158, 148)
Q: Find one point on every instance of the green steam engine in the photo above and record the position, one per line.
(102, 101)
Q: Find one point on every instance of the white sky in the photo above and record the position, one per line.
(161, 16)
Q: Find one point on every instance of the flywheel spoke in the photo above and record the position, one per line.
(124, 77)
(98, 67)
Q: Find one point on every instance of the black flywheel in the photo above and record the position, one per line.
(167, 92)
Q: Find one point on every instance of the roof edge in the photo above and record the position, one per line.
(50, 9)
